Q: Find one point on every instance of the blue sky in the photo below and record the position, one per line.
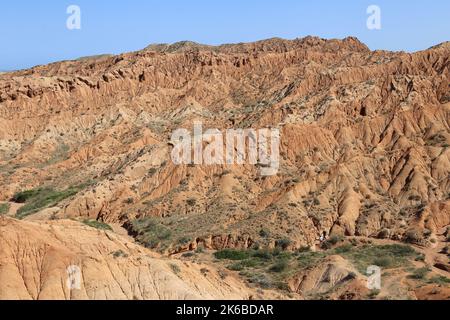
(34, 32)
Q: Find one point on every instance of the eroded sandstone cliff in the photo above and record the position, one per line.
(364, 142)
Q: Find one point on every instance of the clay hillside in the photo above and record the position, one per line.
(86, 175)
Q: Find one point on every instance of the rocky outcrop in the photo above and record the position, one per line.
(35, 259)
(335, 277)
(364, 139)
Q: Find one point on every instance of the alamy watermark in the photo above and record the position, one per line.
(374, 278)
(73, 22)
(374, 19)
(73, 281)
(233, 147)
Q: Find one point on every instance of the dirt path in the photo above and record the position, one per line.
(434, 254)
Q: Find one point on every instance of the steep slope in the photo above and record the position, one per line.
(34, 259)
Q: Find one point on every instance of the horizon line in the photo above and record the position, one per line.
(215, 46)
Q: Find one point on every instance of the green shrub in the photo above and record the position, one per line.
(441, 280)
(176, 269)
(191, 202)
(279, 266)
(373, 293)
(41, 198)
(119, 254)
(188, 255)
(334, 239)
(97, 224)
(4, 208)
(150, 232)
(384, 262)
(384, 234)
(414, 198)
(261, 280)
(263, 233)
(262, 254)
(304, 249)
(236, 267)
(326, 245)
(249, 263)
(420, 257)
(229, 254)
(309, 259)
(199, 250)
(284, 243)
(280, 285)
(419, 274)
(387, 256)
(398, 250)
(184, 240)
(24, 196)
(343, 249)
(413, 236)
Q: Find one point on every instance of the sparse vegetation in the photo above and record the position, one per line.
(199, 250)
(41, 198)
(354, 186)
(249, 263)
(373, 293)
(264, 268)
(263, 233)
(284, 243)
(4, 208)
(175, 268)
(334, 239)
(436, 140)
(384, 262)
(386, 256)
(184, 240)
(229, 254)
(279, 266)
(149, 232)
(440, 280)
(419, 274)
(413, 236)
(420, 257)
(60, 153)
(414, 198)
(188, 255)
(191, 202)
(119, 254)
(326, 245)
(309, 259)
(97, 224)
(344, 248)
(24, 196)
